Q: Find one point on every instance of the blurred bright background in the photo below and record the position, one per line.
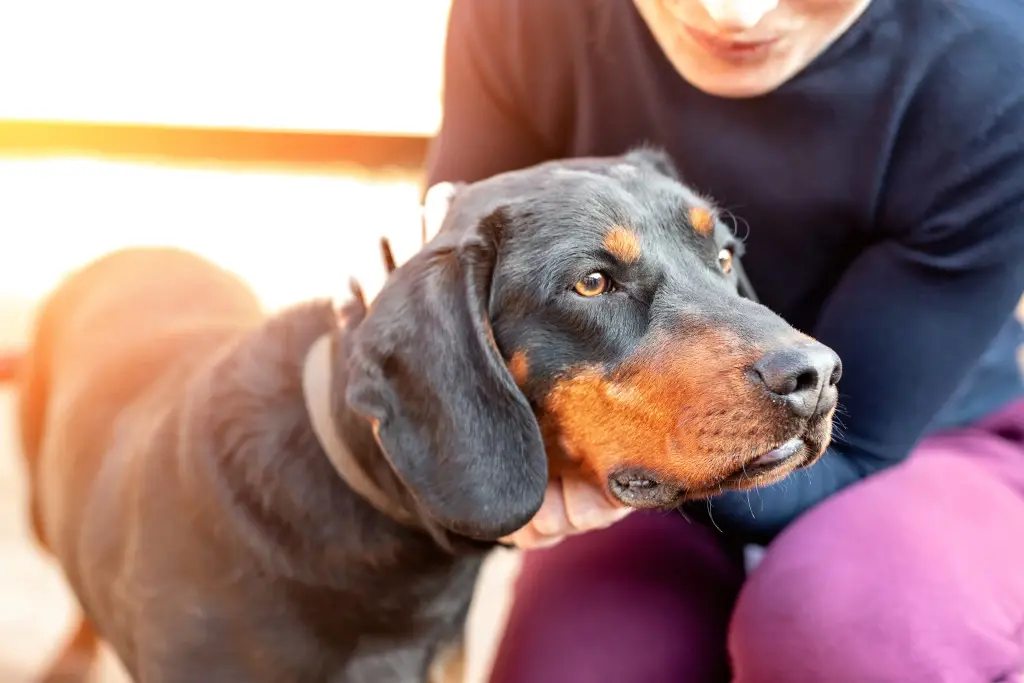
(321, 65)
(281, 140)
(263, 135)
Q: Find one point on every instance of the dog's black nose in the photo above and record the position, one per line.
(803, 376)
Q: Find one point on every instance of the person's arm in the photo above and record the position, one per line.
(915, 311)
(486, 128)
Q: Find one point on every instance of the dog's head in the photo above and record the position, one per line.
(583, 316)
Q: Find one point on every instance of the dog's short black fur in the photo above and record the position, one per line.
(176, 477)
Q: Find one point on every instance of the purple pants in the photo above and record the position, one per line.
(915, 575)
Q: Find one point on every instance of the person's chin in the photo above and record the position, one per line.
(749, 77)
(725, 80)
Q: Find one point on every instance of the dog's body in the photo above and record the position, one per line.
(178, 479)
(178, 482)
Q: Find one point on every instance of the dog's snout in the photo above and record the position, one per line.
(802, 375)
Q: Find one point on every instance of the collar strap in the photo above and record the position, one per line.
(316, 388)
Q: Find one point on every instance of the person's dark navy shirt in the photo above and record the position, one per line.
(883, 188)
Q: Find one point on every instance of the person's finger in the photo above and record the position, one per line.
(551, 519)
(547, 525)
(528, 538)
(587, 507)
(541, 541)
(435, 207)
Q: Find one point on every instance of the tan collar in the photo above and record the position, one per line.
(316, 388)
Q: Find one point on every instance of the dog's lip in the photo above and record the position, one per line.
(769, 461)
(778, 454)
(766, 462)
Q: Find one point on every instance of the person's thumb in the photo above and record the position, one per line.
(587, 507)
(435, 207)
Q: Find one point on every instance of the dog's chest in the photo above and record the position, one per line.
(388, 665)
(425, 618)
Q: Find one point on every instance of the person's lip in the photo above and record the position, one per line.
(731, 49)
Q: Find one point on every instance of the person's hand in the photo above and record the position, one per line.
(436, 202)
(571, 506)
(403, 242)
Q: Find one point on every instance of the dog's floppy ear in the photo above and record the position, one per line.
(426, 371)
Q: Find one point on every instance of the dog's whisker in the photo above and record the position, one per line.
(679, 511)
(839, 434)
(736, 222)
(711, 516)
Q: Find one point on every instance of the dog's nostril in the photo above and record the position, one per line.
(837, 373)
(787, 371)
(798, 374)
(807, 379)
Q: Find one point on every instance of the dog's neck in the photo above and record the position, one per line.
(321, 403)
(349, 440)
(267, 466)
(258, 480)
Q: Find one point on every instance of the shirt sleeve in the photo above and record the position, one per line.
(484, 129)
(913, 314)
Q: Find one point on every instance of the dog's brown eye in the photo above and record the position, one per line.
(594, 284)
(725, 260)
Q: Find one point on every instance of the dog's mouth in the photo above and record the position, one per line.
(784, 456)
(644, 490)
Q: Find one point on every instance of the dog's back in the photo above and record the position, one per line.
(110, 332)
(131, 325)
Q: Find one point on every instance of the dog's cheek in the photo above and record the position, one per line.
(682, 412)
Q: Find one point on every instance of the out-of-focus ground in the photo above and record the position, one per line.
(291, 233)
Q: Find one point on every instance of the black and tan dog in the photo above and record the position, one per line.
(308, 496)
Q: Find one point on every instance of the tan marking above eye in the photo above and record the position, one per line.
(725, 260)
(702, 220)
(623, 244)
(594, 284)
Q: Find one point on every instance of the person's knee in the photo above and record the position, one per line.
(786, 628)
(879, 584)
(646, 600)
(810, 621)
